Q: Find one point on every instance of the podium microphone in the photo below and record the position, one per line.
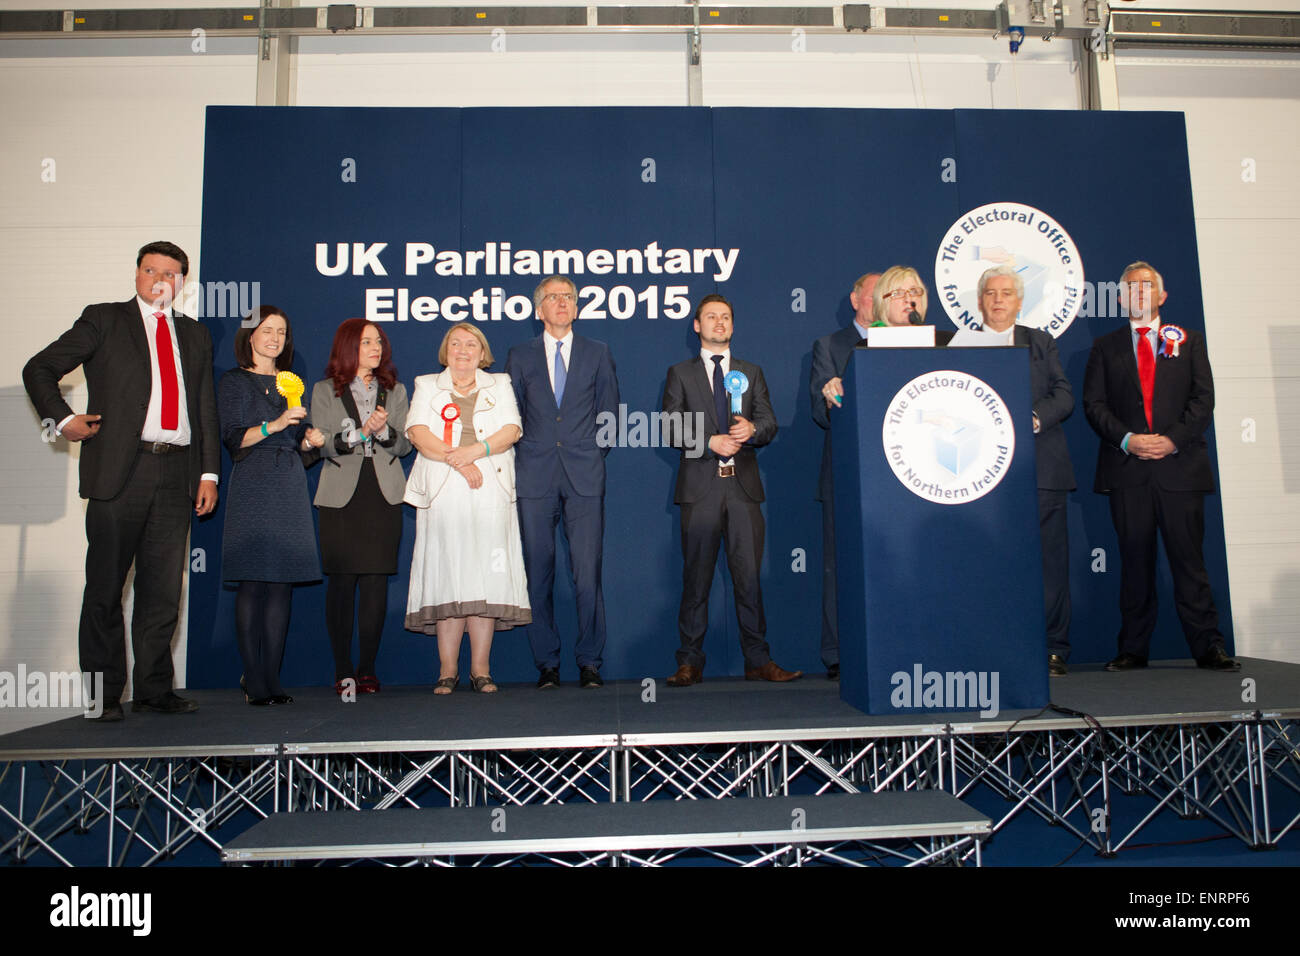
(913, 316)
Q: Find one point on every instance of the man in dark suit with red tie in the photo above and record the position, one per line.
(720, 492)
(150, 456)
(1149, 393)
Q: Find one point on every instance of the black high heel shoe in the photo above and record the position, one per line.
(255, 701)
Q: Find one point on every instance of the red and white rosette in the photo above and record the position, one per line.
(1171, 336)
(449, 415)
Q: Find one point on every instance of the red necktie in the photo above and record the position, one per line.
(1146, 372)
(167, 375)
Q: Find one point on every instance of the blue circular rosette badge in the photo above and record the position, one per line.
(736, 384)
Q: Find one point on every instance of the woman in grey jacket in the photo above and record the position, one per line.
(361, 409)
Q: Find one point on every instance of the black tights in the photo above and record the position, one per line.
(262, 624)
(340, 605)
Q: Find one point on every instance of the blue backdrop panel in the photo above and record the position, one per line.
(810, 199)
(927, 587)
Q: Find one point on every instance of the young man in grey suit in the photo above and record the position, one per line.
(151, 453)
(719, 494)
(1001, 291)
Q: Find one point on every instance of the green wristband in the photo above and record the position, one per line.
(487, 450)
(265, 433)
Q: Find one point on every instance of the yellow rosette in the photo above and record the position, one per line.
(291, 387)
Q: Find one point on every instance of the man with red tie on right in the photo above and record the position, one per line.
(1148, 392)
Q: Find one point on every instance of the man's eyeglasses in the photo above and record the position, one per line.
(559, 297)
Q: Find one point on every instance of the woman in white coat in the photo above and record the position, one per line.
(467, 572)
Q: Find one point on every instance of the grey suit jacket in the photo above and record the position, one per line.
(339, 471)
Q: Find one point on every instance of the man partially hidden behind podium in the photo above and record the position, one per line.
(830, 356)
(1001, 292)
(151, 454)
(1149, 393)
(719, 492)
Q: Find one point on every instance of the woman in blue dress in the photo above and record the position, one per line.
(268, 543)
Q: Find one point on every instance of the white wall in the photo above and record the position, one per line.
(1243, 120)
(98, 107)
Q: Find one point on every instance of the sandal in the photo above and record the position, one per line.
(445, 685)
(483, 684)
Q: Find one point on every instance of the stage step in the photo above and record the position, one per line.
(947, 826)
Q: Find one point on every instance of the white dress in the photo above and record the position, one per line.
(468, 559)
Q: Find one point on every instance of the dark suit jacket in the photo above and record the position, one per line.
(564, 437)
(109, 342)
(689, 390)
(1053, 404)
(829, 359)
(1182, 408)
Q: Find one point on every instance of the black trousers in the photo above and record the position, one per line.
(1180, 517)
(146, 524)
(725, 514)
(1054, 533)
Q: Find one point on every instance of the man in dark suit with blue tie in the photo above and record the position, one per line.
(562, 382)
(150, 457)
(1001, 291)
(1149, 394)
(830, 357)
(720, 492)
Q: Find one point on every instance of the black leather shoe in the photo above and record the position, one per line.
(281, 699)
(549, 677)
(111, 713)
(1126, 662)
(1216, 660)
(165, 703)
(833, 672)
(589, 677)
(1056, 665)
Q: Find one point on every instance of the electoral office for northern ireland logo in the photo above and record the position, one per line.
(948, 437)
(1024, 238)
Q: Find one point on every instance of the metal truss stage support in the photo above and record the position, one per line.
(137, 809)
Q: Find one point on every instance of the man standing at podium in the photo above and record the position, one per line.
(720, 492)
(1001, 291)
(1149, 393)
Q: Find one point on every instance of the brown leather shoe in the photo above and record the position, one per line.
(686, 676)
(771, 671)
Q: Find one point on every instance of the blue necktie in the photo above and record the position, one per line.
(561, 373)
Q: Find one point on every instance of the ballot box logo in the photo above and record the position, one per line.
(948, 437)
(1027, 240)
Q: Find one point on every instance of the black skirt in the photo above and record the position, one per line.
(363, 536)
